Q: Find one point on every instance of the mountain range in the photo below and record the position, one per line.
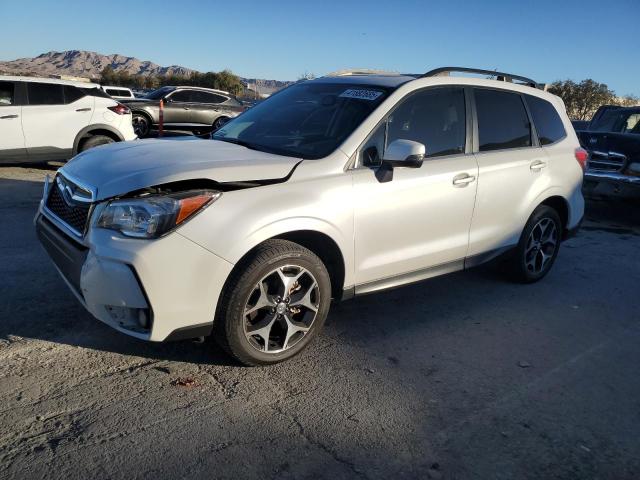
(82, 63)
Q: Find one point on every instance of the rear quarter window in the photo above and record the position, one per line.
(546, 119)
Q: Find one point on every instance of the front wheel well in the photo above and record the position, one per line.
(325, 248)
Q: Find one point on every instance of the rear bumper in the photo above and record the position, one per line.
(152, 290)
(611, 183)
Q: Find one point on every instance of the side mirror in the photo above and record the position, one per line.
(404, 153)
(400, 153)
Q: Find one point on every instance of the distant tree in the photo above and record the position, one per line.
(306, 76)
(107, 76)
(582, 99)
(627, 101)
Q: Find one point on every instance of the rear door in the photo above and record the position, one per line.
(12, 146)
(513, 170)
(209, 108)
(52, 118)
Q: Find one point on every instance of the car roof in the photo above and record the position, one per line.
(75, 83)
(386, 80)
(116, 87)
(204, 89)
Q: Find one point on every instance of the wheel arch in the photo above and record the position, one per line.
(560, 205)
(322, 245)
(96, 129)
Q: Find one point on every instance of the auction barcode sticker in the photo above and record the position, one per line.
(361, 94)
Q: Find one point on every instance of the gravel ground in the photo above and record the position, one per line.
(464, 376)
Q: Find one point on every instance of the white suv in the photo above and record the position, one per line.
(46, 119)
(333, 187)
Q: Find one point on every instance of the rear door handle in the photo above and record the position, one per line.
(86, 109)
(186, 108)
(463, 180)
(537, 165)
(6, 117)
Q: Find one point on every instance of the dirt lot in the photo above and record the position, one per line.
(465, 376)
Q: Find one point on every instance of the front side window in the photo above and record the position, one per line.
(308, 120)
(181, 96)
(434, 117)
(546, 119)
(45, 94)
(502, 120)
(7, 94)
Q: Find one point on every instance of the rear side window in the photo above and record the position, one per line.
(45, 94)
(502, 120)
(7, 94)
(71, 94)
(206, 97)
(546, 119)
(94, 92)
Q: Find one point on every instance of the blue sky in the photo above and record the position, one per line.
(544, 39)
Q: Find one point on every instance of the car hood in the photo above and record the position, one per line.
(120, 168)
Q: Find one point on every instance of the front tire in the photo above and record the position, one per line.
(275, 302)
(538, 246)
(141, 124)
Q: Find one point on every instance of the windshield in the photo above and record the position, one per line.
(159, 93)
(308, 120)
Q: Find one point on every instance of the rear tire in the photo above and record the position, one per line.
(274, 303)
(538, 246)
(218, 123)
(94, 141)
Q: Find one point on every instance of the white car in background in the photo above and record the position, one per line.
(334, 187)
(119, 93)
(43, 119)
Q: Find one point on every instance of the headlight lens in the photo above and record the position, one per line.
(154, 215)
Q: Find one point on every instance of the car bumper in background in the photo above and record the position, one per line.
(611, 183)
(150, 289)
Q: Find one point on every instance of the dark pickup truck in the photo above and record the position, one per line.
(613, 142)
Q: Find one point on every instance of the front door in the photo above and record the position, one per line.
(417, 224)
(178, 109)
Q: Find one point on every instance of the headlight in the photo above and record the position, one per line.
(154, 215)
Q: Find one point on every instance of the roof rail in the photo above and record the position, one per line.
(359, 71)
(505, 77)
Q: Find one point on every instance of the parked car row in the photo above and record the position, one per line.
(43, 119)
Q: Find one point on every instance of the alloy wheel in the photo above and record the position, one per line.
(541, 246)
(140, 125)
(281, 309)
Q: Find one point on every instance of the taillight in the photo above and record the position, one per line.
(120, 109)
(582, 156)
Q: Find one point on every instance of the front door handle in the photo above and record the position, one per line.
(85, 109)
(463, 180)
(186, 108)
(537, 165)
(6, 117)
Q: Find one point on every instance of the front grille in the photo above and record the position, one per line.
(606, 161)
(74, 214)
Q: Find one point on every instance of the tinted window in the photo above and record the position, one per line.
(546, 119)
(45, 94)
(502, 120)
(206, 97)
(181, 96)
(433, 117)
(160, 93)
(308, 120)
(71, 94)
(7, 95)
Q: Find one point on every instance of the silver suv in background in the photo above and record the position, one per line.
(195, 109)
(340, 186)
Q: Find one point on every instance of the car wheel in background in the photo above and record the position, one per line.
(538, 246)
(220, 121)
(94, 141)
(273, 304)
(141, 124)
